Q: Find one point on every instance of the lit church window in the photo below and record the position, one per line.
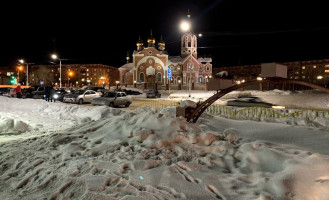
(141, 77)
(159, 77)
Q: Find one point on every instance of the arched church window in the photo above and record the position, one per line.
(159, 76)
(141, 77)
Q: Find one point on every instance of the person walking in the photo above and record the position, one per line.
(52, 93)
(18, 91)
(47, 93)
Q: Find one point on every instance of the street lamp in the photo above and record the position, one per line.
(117, 82)
(27, 70)
(19, 68)
(55, 57)
(164, 81)
(185, 26)
(70, 74)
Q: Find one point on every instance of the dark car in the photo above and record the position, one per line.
(59, 94)
(27, 92)
(248, 102)
(132, 92)
(4, 90)
(40, 92)
(153, 94)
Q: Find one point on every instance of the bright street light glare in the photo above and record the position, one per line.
(54, 56)
(185, 26)
(21, 61)
(200, 34)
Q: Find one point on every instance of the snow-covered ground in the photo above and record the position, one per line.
(310, 99)
(64, 151)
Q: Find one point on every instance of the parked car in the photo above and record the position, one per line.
(81, 96)
(40, 92)
(28, 92)
(11, 93)
(113, 99)
(132, 92)
(4, 91)
(153, 94)
(59, 94)
(248, 102)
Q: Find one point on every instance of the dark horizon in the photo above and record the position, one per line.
(235, 32)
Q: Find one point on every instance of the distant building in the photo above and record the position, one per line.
(312, 71)
(74, 75)
(150, 64)
(5, 75)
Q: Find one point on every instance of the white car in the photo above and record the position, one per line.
(113, 99)
(81, 96)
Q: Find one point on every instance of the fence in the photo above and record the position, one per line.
(159, 103)
(269, 114)
(291, 116)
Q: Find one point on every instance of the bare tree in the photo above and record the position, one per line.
(42, 73)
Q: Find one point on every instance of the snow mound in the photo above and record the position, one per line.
(188, 104)
(9, 126)
(149, 154)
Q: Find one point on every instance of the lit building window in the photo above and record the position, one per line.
(159, 76)
(326, 71)
(303, 77)
(314, 67)
(296, 77)
(327, 66)
(87, 70)
(303, 67)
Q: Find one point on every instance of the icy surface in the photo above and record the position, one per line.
(84, 152)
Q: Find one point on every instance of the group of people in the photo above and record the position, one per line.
(49, 94)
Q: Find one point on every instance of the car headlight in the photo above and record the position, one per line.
(55, 96)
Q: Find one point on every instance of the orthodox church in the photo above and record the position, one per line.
(150, 64)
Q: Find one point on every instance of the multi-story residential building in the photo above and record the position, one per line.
(74, 75)
(312, 71)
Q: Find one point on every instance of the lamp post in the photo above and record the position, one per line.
(164, 81)
(70, 74)
(117, 83)
(55, 57)
(27, 70)
(19, 68)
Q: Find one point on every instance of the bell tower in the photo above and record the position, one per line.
(189, 41)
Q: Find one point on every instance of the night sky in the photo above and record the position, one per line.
(236, 32)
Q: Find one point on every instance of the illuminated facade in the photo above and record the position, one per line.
(150, 64)
(74, 75)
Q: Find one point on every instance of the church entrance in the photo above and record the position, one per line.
(150, 79)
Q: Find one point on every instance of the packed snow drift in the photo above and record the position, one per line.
(107, 153)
